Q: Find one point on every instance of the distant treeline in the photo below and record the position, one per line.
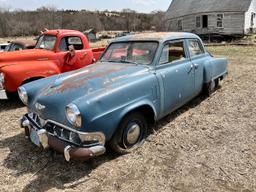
(25, 23)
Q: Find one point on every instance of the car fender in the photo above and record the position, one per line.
(132, 107)
(112, 118)
(16, 75)
(208, 71)
(214, 68)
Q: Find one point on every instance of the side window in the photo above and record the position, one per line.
(195, 47)
(172, 52)
(76, 42)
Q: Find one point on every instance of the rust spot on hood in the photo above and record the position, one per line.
(80, 78)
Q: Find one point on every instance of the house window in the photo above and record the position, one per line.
(220, 20)
(198, 21)
(180, 24)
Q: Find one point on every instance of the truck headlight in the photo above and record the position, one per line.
(73, 115)
(23, 95)
(1, 80)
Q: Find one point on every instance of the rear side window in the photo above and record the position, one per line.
(173, 51)
(195, 47)
(67, 41)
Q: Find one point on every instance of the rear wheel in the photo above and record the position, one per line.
(130, 134)
(211, 87)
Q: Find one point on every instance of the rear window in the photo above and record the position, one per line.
(67, 41)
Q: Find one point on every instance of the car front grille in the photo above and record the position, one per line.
(60, 132)
(63, 134)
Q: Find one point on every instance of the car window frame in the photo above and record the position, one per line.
(200, 44)
(187, 58)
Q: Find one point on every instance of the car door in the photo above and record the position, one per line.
(176, 76)
(83, 56)
(198, 58)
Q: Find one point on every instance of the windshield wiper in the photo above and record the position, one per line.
(129, 62)
(120, 61)
(110, 61)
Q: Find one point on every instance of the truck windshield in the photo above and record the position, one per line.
(46, 42)
(131, 52)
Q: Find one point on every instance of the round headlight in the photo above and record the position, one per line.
(23, 95)
(73, 115)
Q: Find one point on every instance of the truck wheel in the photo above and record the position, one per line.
(12, 95)
(130, 133)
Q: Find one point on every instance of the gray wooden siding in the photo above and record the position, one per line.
(233, 23)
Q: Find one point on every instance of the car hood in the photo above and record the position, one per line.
(12, 58)
(88, 82)
(93, 78)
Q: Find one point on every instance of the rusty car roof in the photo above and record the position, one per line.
(25, 43)
(156, 36)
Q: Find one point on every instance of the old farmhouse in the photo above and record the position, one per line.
(225, 17)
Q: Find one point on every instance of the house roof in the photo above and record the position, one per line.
(179, 8)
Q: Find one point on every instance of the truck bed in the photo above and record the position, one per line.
(97, 52)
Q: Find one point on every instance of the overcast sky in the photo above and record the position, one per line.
(138, 5)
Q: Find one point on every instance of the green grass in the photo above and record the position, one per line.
(233, 51)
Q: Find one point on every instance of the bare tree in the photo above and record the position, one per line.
(21, 23)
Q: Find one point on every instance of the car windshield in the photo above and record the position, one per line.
(131, 52)
(8, 47)
(15, 47)
(46, 42)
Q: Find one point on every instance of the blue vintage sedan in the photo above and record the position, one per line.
(138, 80)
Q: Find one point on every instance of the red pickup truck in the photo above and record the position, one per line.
(51, 56)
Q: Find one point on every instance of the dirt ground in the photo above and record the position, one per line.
(208, 145)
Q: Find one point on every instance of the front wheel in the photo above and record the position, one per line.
(130, 133)
(12, 95)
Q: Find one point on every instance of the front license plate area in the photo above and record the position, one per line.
(34, 137)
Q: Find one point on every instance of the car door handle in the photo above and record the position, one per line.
(196, 66)
(84, 55)
(191, 68)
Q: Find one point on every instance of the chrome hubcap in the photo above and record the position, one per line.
(133, 134)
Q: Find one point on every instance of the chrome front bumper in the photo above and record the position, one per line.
(73, 144)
